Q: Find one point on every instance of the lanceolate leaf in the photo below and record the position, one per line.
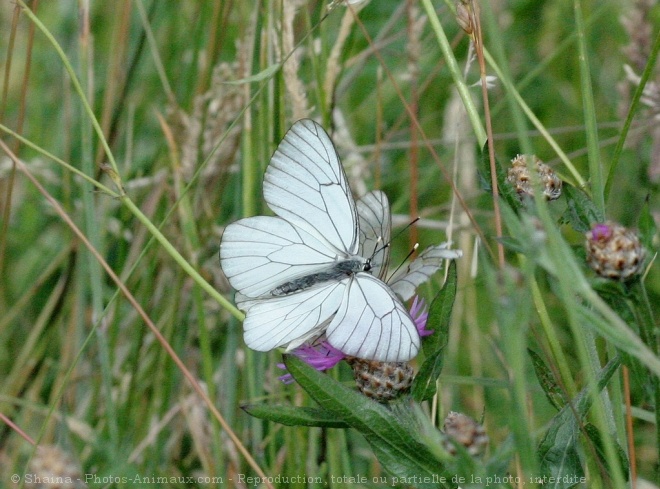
(397, 447)
(506, 190)
(294, 416)
(424, 385)
(558, 450)
(440, 313)
(547, 380)
(647, 227)
(439, 321)
(594, 435)
(581, 212)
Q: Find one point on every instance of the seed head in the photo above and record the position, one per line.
(381, 381)
(467, 432)
(614, 251)
(51, 463)
(518, 176)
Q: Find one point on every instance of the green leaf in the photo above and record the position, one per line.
(558, 451)
(580, 212)
(424, 384)
(547, 380)
(440, 310)
(439, 320)
(647, 228)
(262, 75)
(294, 416)
(594, 435)
(395, 443)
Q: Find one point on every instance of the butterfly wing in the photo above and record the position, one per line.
(406, 281)
(305, 184)
(257, 254)
(375, 227)
(372, 323)
(292, 319)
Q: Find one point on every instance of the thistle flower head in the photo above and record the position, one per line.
(381, 381)
(465, 431)
(519, 177)
(614, 251)
(51, 462)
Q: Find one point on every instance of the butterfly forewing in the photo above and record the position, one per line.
(306, 185)
(260, 253)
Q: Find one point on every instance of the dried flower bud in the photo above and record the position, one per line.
(464, 17)
(614, 252)
(467, 432)
(381, 381)
(55, 469)
(518, 176)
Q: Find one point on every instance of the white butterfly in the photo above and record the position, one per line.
(317, 266)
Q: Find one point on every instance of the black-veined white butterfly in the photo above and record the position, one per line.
(316, 267)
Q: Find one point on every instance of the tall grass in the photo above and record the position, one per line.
(141, 129)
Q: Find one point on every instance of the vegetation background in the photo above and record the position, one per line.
(189, 100)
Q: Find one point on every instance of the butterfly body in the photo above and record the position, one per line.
(340, 270)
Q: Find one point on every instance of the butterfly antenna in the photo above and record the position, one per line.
(378, 250)
(407, 226)
(387, 245)
(414, 248)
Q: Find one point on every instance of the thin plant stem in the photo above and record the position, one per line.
(593, 154)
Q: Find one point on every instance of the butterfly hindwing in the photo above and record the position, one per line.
(289, 320)
(406, 281)
(375, 226)
(372, 323)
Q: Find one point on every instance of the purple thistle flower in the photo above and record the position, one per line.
(420, 315)
(601, 232)
(322, 357)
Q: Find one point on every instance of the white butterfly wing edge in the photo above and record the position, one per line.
(405, 282)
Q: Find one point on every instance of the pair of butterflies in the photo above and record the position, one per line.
(317, 266)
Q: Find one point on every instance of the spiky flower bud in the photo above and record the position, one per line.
(53, 468)
(381, 381)
(467, 432)
(614, 251)
(518, 176)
